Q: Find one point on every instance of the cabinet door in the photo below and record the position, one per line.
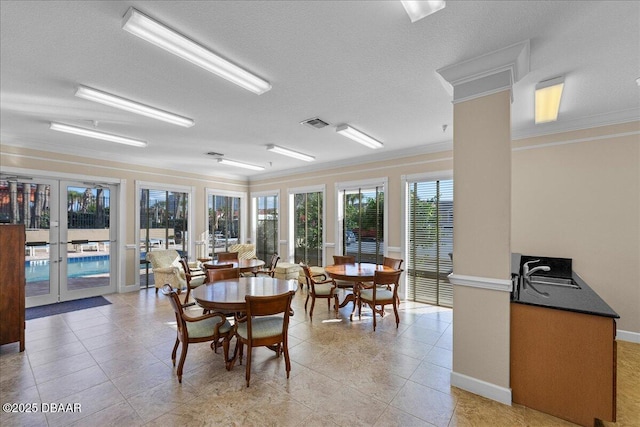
(12, 249)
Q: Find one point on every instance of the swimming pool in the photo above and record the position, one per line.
(38, 270)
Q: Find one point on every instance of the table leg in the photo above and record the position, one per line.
(232, 360)
(356, 288)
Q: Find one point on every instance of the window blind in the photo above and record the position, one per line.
(430, 237)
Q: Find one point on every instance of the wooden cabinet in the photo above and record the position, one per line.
(12, 284)
(563, 363)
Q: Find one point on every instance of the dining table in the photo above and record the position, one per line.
(228, 296)
(244, 265)
(358, 273)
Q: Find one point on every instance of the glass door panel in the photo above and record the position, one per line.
(34, 204)
(86, 241)
(363, 224)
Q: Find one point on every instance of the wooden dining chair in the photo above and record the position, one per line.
(394, 263)
(341, 260)
(319, 289)
(344, 259)
(379, 295)
(222, 272)
(193, 281)
(227, 256)
(266, 323)
(271, 271)
(212, 327)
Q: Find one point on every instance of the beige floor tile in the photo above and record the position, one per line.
(115, 361)
(120, 414)
(425, 403)
(59, 388)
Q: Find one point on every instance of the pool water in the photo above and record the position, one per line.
(38, 270)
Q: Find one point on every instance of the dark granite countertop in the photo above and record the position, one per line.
(583, 300)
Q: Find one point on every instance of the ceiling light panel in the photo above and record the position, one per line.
(132, 106)
(162, 36)
(356, 135)
(90, 133)
(547, 100)
(419, 9)
(240, 164)
(290, 153)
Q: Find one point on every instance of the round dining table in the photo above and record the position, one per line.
(244, 265)
(357, 273)
(228, 296)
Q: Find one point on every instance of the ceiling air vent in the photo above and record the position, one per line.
(316, 123)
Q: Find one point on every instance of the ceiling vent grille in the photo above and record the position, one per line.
(316, 123)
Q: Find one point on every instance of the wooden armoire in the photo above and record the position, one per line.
(12, 284)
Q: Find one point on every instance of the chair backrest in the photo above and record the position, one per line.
(274, 262)
(227, 256)
(218, 274)
(307, 274)
(186, 269)
(344, 259)
(387, 278)
(177, 307)
(392, 262)
(270, 305)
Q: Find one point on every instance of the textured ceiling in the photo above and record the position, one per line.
(355, 62)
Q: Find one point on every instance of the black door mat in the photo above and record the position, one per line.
(64, 307)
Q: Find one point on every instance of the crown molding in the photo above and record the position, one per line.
(427, 148)
(488, 73)
(582, 123)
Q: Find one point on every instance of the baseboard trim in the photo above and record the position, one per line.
(129, 288)
(628, 336)
(482, 388)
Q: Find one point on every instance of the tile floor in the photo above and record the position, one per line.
(115, 361)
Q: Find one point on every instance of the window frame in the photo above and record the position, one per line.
(244, 213)
(254, 217)
(405, 181)
(355, 185)
(291, 192)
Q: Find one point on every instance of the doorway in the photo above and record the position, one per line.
(70, 248)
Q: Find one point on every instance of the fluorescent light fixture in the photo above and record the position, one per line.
(548, 95)
(356, 135)
(419, 9)
(96, 134)
(162, 36)
(290, 153)
(132, 106)
(240, 164)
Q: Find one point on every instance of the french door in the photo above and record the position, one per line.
(70, 243)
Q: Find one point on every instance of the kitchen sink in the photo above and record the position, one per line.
(554, 281)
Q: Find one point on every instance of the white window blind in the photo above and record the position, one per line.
(430, 237)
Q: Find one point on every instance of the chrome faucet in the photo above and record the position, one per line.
(527, 272)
